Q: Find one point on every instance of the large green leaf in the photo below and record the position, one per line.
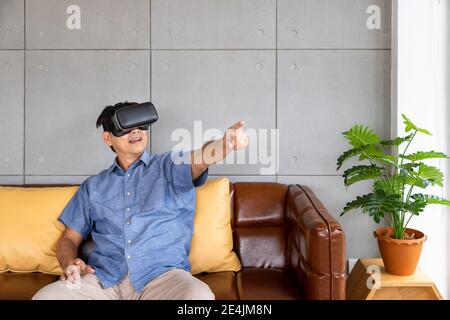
(397, 141)
(395, 184)
(392, 185)
(422, 155)
(415, 207)
(425, 176)
(438, 200)
(408, 176)
(408, 166)
(375, 204)
(431, 199)
(347, 155)
(431, 174)
(380, 203)
(360, 135)
(411, 126)
(416, 181)
(386, 159)
(375, 153)
(360, 173)
(370, 151)
(359, 202)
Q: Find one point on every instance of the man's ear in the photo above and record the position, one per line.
(107, 138)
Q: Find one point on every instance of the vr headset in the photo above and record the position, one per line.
(127, 118)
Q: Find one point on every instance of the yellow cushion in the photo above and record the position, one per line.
(212, 242)
(29, 229)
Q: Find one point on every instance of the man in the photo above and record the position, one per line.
(140, 214)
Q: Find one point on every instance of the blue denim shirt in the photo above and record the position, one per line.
(141, 220)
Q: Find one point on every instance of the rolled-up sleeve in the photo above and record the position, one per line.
(178, 171)
(76, 215)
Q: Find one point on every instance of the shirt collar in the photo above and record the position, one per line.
(145, 158)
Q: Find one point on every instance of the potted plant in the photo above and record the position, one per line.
(395, 181)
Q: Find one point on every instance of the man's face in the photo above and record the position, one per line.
(133, 143)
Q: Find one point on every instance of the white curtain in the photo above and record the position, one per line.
(420, 88)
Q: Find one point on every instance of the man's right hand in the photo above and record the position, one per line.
(75, 269)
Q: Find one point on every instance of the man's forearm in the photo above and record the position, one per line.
(210, 153)
(214, 151)
(217, 150)
(66, 251)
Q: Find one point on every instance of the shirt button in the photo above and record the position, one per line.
(128, 209)
(128, 174)
(128, 222)
(128, 193)
(128, 256)
(129, 241)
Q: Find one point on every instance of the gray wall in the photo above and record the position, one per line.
(310, 68)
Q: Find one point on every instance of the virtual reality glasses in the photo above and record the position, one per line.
(127, 118)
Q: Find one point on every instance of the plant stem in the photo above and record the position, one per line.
(400, 228)
(401, 162)
(403, 214)
(409, 193)
(408, 220)
(409, 142)
(395, 174)
(394, 220)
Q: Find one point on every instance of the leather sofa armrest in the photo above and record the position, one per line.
(315, 246)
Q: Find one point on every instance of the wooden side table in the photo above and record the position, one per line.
(388, 287)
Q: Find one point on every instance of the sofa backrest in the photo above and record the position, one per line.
(258, 222)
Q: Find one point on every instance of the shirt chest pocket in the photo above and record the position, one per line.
(161, 196)
(107, 207)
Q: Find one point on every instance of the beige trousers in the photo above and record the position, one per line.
(177, 284)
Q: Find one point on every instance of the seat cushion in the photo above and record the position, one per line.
(248, 284)
(266, 284)
(23, 286)
(223, 284)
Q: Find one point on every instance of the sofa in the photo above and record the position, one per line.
(289, 245)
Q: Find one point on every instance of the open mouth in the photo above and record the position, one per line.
(135, 140)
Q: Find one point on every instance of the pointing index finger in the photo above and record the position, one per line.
(237, 125)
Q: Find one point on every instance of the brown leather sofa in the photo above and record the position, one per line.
(289, 245)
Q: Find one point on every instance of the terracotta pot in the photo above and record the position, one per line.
(400, 257)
